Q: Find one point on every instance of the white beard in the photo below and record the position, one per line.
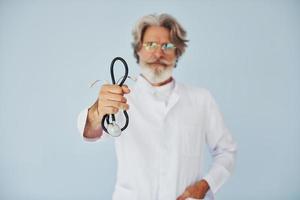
(157, 74)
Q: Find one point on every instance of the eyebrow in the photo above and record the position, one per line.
(157, 42)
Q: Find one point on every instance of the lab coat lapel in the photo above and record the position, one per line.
(174, 97)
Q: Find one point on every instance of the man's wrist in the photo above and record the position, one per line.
(94, 117)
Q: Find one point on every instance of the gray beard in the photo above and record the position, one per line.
(156, 75)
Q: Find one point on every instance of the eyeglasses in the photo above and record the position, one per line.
(152, 46)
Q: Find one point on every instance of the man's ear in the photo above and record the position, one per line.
(138, 57)
(176, 62)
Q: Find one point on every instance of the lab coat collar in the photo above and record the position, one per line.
(144, 86)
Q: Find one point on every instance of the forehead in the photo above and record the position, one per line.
(156, 34)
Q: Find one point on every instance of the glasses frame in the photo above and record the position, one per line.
(162, 46)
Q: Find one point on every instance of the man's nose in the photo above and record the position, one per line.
(158, 53)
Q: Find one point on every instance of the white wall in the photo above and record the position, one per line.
(246, 52)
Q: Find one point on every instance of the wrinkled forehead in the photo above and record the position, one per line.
(156, 34)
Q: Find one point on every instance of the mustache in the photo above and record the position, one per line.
(159, 61)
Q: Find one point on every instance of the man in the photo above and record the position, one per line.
(160, 154)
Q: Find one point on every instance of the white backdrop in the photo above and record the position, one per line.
(247, 53)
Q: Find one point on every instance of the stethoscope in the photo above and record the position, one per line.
(112, 127)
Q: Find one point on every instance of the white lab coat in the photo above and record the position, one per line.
(161, 152)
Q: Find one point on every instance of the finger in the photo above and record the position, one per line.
(113, 97)
(116, 104)
(112, 89)
(125, 89)
(110, 110)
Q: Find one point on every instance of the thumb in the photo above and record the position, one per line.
(125, 89)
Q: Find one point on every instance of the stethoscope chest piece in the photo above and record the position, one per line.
(113, 129)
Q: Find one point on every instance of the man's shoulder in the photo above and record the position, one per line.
(193, 89)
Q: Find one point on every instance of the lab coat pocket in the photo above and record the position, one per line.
(191, 140)
(123, 193)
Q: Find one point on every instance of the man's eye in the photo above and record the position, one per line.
(153, 45)
(168, 46)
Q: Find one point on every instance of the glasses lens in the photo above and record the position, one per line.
(150, 46)
(168, 46)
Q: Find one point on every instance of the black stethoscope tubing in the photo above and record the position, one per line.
(106, 117)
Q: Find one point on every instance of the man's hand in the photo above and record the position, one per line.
(196, 191)
(110, 100)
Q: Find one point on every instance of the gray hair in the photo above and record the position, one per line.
(177, 33)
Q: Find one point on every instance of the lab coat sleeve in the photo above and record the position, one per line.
(221, 145)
